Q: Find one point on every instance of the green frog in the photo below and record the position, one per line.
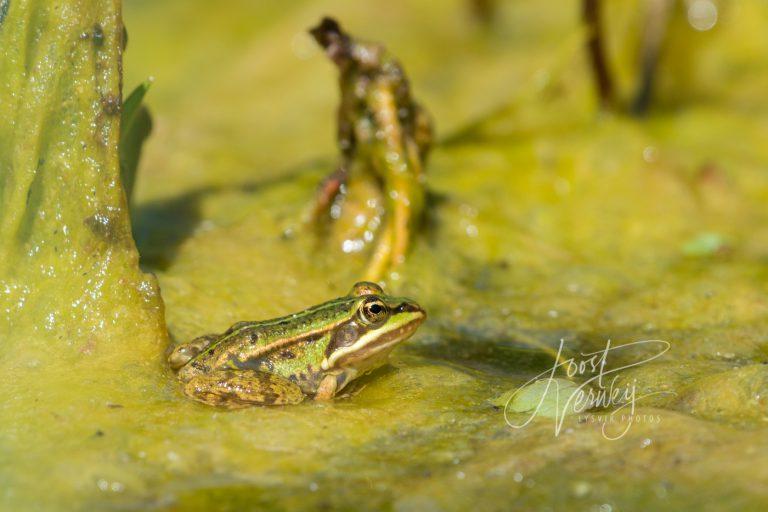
(315, 352)
(384, 137)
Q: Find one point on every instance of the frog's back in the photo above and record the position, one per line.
(277, 345)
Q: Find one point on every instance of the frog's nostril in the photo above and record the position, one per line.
(407, 307)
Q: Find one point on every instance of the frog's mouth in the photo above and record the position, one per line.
(373, 348)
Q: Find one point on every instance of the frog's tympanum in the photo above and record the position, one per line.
(383, 135)
(312, 353)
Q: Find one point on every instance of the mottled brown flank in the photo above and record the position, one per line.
(267, 358)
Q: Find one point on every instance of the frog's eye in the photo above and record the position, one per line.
(373, 311)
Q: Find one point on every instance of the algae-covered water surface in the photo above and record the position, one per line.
(634, 245)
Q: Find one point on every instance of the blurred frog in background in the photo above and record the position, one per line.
(384, 137)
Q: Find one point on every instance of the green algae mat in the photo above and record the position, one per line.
(638, 248)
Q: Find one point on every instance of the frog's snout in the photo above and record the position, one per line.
(410, 306)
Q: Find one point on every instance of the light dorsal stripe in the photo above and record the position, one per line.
(284, 342)
(276, 321)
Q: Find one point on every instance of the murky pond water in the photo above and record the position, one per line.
(547, 223)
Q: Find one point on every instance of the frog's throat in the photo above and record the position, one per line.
(376, 340)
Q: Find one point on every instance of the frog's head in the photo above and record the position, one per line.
(376, 324)
(336, 43)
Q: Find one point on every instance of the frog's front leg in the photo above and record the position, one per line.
(382, 253)
(242, 388)
(327, 388)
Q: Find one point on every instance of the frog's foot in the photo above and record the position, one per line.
(183, 353)
(242, 388)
